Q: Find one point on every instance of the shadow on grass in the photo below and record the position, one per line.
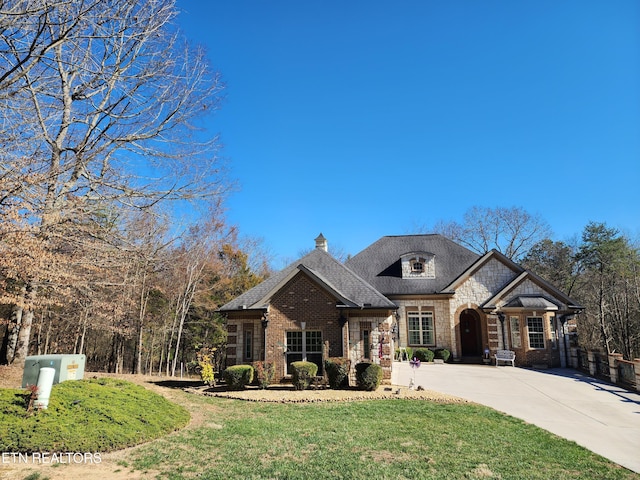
(179, 384)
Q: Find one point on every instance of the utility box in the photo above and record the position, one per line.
(67, 367)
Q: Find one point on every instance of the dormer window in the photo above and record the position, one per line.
(418, 265)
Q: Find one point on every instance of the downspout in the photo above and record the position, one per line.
(265, 324)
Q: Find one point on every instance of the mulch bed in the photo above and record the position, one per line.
(287, 394)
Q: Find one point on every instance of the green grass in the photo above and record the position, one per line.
(96, 415)
(383, 439)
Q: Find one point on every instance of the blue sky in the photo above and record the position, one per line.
(361, 119)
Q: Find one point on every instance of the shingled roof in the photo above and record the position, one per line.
(380, 263)
(347, 286)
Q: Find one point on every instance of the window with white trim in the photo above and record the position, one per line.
(514, 323)
(535, 328)
(421, 328)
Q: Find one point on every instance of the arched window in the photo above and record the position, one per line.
(417, 265)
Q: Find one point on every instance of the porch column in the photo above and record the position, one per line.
(613, 366)
(501, 317)
(574, 360)
(591, 357)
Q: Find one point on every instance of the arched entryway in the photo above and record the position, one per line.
(470, 335)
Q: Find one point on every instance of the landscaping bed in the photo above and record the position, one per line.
(287, 394)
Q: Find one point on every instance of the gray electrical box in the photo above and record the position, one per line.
(68, 367)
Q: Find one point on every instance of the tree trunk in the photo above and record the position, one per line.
(144, 299)
(84, 331)
(22, 348)
(12, 333)
(169, 345)
(149, 362)
(24, 335)
(162, 347)
(47, 336)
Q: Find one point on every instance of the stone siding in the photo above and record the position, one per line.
(441, 319)
(381, 346)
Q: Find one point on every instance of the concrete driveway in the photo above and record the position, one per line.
(601, 417)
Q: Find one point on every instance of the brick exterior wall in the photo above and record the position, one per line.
(302, 300)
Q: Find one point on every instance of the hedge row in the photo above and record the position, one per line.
(368, 375)
(426, 354)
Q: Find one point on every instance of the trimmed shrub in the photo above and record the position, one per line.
(368, 376)
(238, 376)
(303, 373)
(265, 373)
(423, 354)
(442, 353)
(409, 351)
(337, 369)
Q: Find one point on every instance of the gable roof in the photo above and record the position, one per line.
(380, 263)
(555, 294)
(521, 275)
(483, 260)
(325, 270)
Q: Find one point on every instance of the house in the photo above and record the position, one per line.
(401, 291)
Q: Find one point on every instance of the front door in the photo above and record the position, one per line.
(470, 338)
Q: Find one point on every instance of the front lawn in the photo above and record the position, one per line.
(381, 439)
(97, 415)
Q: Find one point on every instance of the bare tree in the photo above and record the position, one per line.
(103, 99)
(512, 231)
(199, 248)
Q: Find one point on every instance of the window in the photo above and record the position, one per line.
(421, 330)
(365, 337)
(536, 332)
(248, 343)
(515, 332)
(554, 334)
(418, 266)
(305, 346)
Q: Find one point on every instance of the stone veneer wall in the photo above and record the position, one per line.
(484, 284)
(235, 335)
(477, 289)
(381, 342)
(441, 316)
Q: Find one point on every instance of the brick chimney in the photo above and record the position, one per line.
(321, 243)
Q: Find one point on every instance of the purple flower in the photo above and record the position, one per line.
(415, 363)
